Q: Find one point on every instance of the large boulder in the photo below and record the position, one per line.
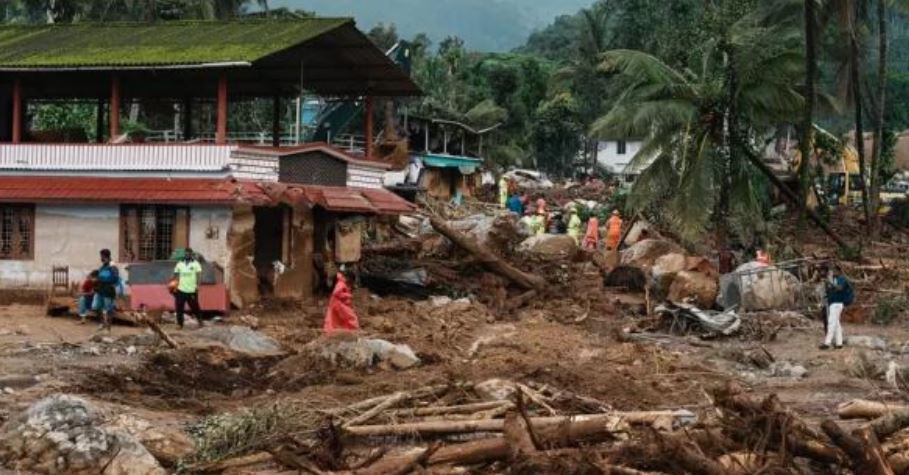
(664, 270)
(701, 288)
(168, 445)
(240, 339)
(645, 253)
(64, 434)
(550, 246)
(755, 286)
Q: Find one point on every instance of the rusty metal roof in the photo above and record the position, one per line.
(340, 199)
(46, 189)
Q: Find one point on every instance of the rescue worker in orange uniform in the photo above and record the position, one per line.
(613, 230)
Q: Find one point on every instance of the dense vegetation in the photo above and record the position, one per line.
(705, 84)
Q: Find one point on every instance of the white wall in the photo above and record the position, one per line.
(72, 235)
(608, 156)
(65, 235)
(208, 228)
(364, 177)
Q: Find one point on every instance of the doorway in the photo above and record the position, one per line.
(270, 240)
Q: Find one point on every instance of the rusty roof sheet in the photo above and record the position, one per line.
(44, 189)
(339, 199)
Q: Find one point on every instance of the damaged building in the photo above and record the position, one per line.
(255, 212)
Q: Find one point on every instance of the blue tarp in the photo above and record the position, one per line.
(467, 165)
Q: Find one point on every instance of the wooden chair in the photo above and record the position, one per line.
(60, 295)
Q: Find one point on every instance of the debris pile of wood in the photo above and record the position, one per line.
(539, 429)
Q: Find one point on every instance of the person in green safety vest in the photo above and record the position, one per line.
(188, 274)
(574, 224)
(503, 191)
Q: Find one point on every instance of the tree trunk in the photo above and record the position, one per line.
(757, 162)
(875, 221)
(855, 80)
(807, 140)
(487, 258)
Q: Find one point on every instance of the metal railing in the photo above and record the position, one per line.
(110, 157)
(789, 285)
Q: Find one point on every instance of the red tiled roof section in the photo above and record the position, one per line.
(44, 189)
(340, 199)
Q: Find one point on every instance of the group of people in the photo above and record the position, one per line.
(538, 219)
(101, 287)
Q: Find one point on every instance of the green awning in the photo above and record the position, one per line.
(467, 165)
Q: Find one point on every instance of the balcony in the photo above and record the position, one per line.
(145, 158)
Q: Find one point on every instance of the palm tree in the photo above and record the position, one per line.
(806, 143)
(700, 127)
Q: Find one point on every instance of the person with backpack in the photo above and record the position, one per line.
(840, 294)
(107, 282)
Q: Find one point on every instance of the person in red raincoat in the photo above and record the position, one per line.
(592, 237)
(613, 230)
(340, 315)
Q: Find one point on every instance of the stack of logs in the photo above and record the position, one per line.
(421, 431)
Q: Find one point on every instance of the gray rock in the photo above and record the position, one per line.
(148, 338)
(552, 246)
(240, 339)
(866, 341)
(364, 352)
(63, 434)
(785, 369)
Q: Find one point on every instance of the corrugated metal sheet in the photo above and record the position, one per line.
(38, 189)
(104, 157)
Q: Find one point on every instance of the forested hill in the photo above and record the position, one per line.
(484, 25)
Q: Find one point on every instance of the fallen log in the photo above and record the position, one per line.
(378, 408)
(497, 448)
(153, 325)
(428, 428)
(471, 408)
(487, 258)
(864, 409)
(517, 435)
(890, 423)
(235, 462)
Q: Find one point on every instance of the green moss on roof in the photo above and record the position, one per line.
(154, 44)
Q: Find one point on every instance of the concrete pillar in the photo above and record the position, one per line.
(221, 133)
(114, 108)
(368, 132)
(17, 111)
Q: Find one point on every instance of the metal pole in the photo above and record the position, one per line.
(297, 126)
(426, 138)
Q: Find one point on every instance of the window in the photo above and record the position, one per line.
(152, 232)
(17, 232)
(621, 147)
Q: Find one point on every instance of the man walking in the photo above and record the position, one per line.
(188, 273)
(839, 294)
(108, 280)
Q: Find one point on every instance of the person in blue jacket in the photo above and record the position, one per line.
(516, 204)
(107, 282)
(839, 294)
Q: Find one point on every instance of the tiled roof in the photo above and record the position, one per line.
(340, 199)
(44, 189)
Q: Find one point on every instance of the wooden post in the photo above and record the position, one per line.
(276, 121)
(114, 120)
(99, 121)
(17, 110)
(368, 132)
(221, 133)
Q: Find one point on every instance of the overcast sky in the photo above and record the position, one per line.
(486, 25)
